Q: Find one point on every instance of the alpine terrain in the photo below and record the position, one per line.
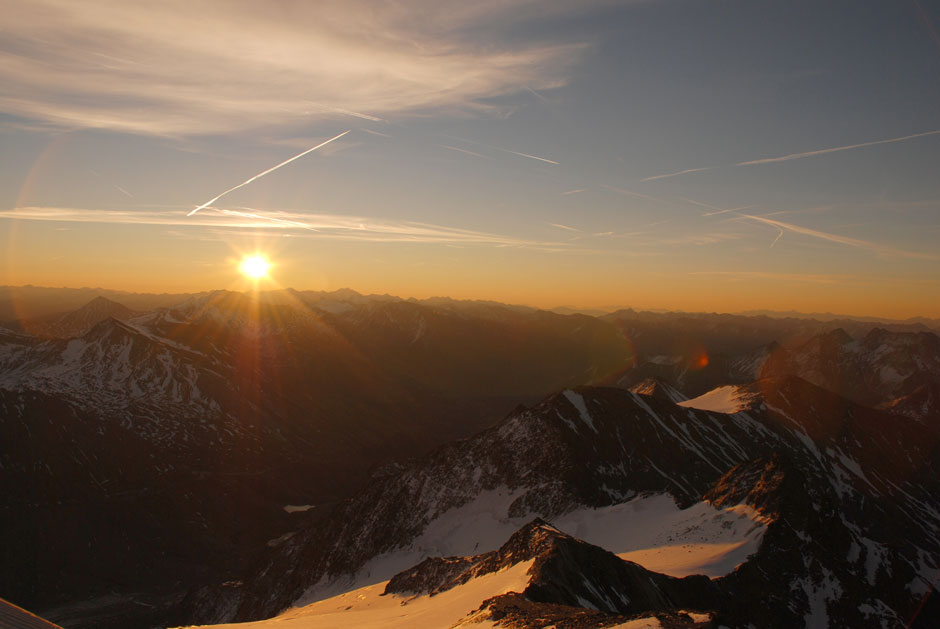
(340, 460)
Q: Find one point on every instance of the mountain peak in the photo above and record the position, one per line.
(838, 336)
(654, 387)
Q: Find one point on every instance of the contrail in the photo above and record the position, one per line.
(499, 148)
(541, 159)
(733, 209)
(347, 112)
(700, 203)
(574, 191)
(537, 95)
(460, 150)
(113, 185)
(717, 210)
(270, 170)
(560, 226)
(635, 194)
(784, 158)
(675, 174)
(843, 240)
(373, 132)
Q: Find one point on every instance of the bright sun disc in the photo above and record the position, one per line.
(255, 267)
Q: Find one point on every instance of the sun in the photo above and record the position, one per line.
(254, 267)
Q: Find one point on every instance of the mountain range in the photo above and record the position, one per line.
(225, 457)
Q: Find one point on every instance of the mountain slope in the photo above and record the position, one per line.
(808, 463)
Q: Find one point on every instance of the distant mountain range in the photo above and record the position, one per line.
(223, 456)
(31, 302)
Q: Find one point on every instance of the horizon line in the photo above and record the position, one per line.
(822, 317)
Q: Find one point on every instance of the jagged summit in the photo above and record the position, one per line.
(654, 387)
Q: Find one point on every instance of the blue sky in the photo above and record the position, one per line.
(678, 154)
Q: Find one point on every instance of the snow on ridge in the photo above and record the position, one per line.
(577, 400)
(368, 606)
(725, 399)
(650, 530)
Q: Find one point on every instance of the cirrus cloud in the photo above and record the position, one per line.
(180, 68)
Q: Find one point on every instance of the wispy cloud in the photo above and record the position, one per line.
(262, 174)
(143, 67)
(320, 226)
(836, 149)
(560, 226)
(842, 240)
(576, 191)
(675, 174)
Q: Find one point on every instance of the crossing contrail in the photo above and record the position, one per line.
(270, 170)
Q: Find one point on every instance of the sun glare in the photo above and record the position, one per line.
(254, 267)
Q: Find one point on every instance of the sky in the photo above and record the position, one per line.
(716, 156)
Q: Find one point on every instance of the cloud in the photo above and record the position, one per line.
(322, 226)
(849, 147)
(842, 240)
(215, 66)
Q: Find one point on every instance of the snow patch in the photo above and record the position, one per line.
(727, 399)
(298, 508)
(369, 607)
(653, 532)
(640, 623)
(578, 402)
